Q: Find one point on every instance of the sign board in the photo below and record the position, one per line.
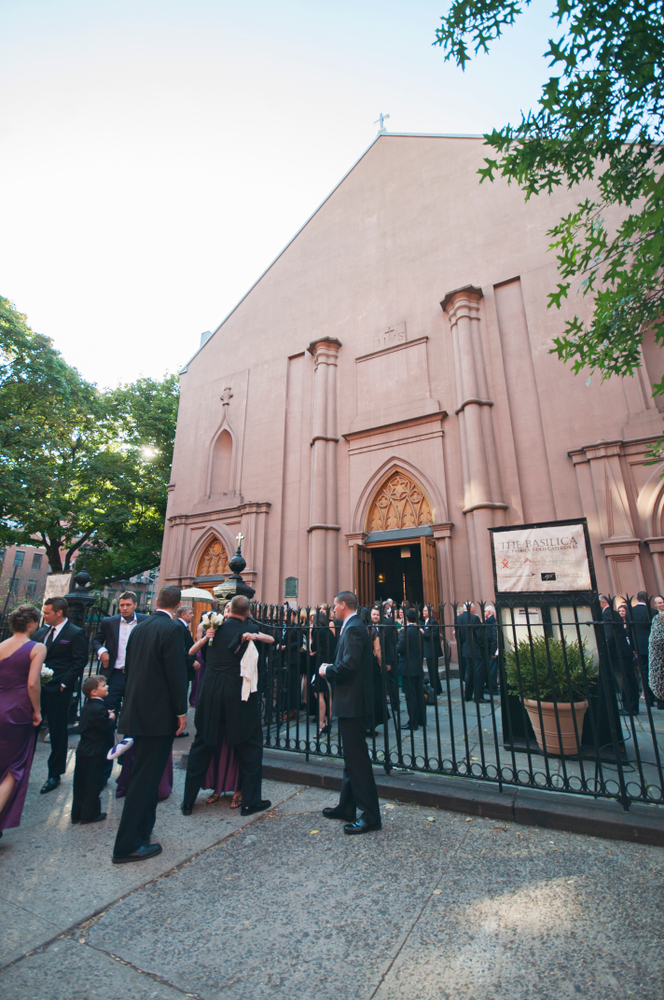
(57, 585)
(546, 558)
(290, 587)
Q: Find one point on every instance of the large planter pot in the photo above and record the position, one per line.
(566, 713)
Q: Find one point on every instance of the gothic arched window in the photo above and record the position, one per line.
(399, 503)
(213, 560)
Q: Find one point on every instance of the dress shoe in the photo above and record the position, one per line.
(412, 728)
(97, 819)
(331, 812)
(49, 786)
(250, 810)
(361, 826)
(187, 808)
(181, 736)
(141, 853)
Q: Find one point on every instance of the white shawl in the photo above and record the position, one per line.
(249, 670)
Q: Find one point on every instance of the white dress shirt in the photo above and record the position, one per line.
(123, 638)
(57, 629)
(354, 615)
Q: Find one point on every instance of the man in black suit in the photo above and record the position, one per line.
(473, 652)
(409, 648)
(640, 622)
(221, 713)
(110, 645)
(154, 711)
(620, 658)
(67, 655)
(352, 703)
(185, 617)
(432, 647)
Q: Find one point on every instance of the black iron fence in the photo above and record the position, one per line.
(543, 695)
(547, 695)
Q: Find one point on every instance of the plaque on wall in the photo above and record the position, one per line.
(553, 557)
(290, 587)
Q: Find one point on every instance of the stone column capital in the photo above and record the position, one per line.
(325, 350)
(462, 302)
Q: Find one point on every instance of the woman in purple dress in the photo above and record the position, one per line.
(21, 661)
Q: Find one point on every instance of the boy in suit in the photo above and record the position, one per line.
(96, 728)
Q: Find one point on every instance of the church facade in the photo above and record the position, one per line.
(384, 394)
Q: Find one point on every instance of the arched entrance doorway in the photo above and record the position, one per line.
(211, 568)
(398, 558)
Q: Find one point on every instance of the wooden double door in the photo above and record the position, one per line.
(407, 570)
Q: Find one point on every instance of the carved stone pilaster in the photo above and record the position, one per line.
(483, 502)
(323, 517)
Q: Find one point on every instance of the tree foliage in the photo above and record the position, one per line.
(81, 467)
(600, 117)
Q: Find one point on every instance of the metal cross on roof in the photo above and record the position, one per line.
(381, 121)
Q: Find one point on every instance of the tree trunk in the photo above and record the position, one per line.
(52, 546)
(74, 548)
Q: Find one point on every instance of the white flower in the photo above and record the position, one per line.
(46, 674)
(213, 620)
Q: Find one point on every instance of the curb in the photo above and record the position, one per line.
(643, 824)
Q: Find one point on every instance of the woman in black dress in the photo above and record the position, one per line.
(380, 706)
(324, 647)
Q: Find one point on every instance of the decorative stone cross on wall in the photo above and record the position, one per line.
(396, 334)
(226, 396)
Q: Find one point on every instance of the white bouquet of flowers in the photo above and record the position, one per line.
(46, 674)
(212, 619)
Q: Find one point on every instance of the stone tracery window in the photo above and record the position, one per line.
(399, 503)
(213, 560)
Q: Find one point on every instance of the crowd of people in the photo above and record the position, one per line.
(341, 662)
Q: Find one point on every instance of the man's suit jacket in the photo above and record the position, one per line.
(96, 729)
(409, 649)
(156, 670)
(352, 695)
(187, 642)
(431, 645)
(471, 635)
(620, 651)
(67, 655)
(107, 635)
(639, 616)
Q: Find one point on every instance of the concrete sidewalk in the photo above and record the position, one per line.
(436, 905)
(643, 824)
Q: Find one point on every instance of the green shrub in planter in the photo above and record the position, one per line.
(558, 667)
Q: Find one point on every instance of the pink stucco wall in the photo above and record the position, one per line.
(407, 226)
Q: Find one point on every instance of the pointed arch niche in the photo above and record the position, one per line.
(399, 503)
(222, 457)
(222, 461)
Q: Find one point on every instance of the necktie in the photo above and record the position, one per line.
(49, 637)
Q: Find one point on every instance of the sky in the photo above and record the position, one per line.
(157, 155)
